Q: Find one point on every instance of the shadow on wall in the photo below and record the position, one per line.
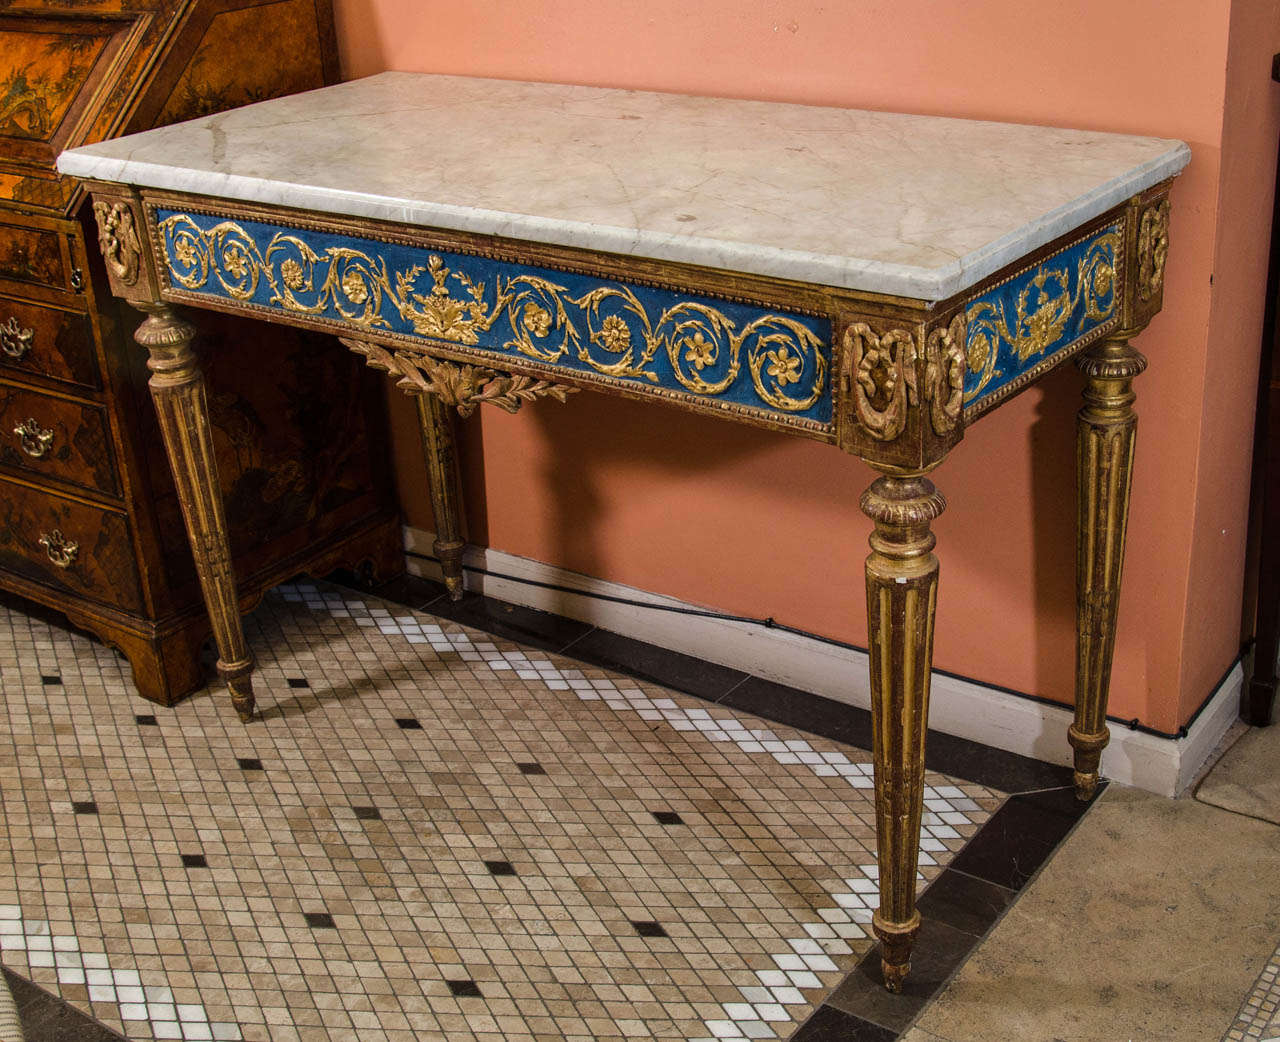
(1053, 478)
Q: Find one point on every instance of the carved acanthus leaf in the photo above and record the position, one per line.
(459, 385)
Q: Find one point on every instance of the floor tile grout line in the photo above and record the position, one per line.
(735, 710)
(297, 595)
(747, 677)
(581, 636)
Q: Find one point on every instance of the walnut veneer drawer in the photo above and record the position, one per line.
(36, 255)
(48, 341)
(67, 545)
(58, 438)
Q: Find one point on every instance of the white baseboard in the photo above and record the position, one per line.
(959, 707)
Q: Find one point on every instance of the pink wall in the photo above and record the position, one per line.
(1251, 128)
(759, 525)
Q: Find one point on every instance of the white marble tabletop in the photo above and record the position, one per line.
(916, 206)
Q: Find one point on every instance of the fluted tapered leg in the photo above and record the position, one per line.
(177, 388)
(1105, 433)
(442, 473)
(902, 588)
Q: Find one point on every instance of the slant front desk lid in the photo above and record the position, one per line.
(914, 206)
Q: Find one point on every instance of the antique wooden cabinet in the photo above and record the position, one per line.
(89, 520)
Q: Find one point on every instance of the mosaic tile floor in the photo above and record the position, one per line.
(430, 834)
(1259, 1016)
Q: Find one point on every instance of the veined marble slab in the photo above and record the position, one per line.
(916, 206)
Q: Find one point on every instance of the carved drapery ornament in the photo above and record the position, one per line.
(1153, 249)
(945, 365)
(118, 240)
(461, 386)
(884, 378)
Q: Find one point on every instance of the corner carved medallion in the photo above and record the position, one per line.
(118, 240)
(461, 386)
(1153, 249)
(945, 365)
(884, 378)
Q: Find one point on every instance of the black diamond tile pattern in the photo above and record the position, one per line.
(748, 903)
(319, 920)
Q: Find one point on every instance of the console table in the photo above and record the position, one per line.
(875, 281)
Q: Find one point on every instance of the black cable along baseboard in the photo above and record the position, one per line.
(773, 624)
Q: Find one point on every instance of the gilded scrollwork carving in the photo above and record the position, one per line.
(118, 240)
(459, 385)
(884, 378)
(1153, 249)
(1056, 303)
(945, 365)
(689, 345)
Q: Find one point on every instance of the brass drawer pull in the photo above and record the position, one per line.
(33, 438)
(62, 551)
(14, 340)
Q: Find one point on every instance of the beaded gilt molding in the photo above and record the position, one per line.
(1017, 328)
(771, 363)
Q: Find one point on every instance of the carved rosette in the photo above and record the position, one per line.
(461, 386)
(118, 240)
(884, 378)
(1153, 249)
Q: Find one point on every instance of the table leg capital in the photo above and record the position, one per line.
(1106, 432)
(902, 586)
(177, 389)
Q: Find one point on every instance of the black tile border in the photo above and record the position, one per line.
(961, 905)
(825, 717)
